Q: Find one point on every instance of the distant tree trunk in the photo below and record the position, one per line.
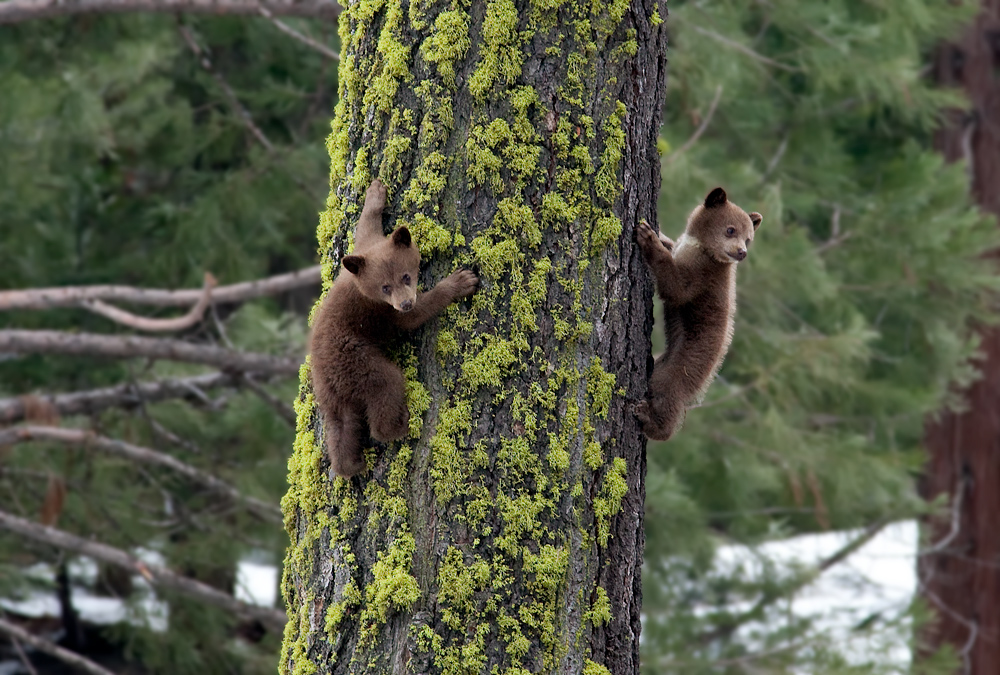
(517, 139)
(961, 574)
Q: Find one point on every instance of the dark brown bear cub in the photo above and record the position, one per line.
(696, 279)
(373, 300)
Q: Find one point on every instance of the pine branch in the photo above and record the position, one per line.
(17, 11)
(160, 577)
(149, 325)
(743, 49)
(76, 296)
(137, 454)
(18, 408)
(124, 347)
(18, 634)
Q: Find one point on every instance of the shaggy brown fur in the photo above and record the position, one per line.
(373, 300)
(696, 279)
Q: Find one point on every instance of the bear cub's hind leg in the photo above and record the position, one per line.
(344, 436)
(385, 402)
(663, 410)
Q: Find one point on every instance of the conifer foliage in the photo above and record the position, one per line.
(853, 316)
(146, 150)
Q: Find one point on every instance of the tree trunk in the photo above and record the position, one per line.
(518, 140)
(960, 575)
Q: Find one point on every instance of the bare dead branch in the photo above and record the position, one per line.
(137, 453)
(75, 296)
(304, 39)
(160, 577)
(16, 409)
(16, 11)
(701, 127)
(149, 325)
(124, 347)
(18, 634)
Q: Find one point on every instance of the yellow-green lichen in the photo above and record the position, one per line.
(592, 668)
(501, 56)
(448, 43)
(609, 503)
(393, 587)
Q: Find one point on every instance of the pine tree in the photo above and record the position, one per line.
(505, 534)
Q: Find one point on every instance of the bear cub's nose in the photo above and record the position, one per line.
(407, 305)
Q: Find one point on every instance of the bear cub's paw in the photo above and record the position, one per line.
(648, 240)
(463, 283)
(375, 196)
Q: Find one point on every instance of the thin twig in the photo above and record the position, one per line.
(17, 11)
(701, 127)
(284, 410)
(149, 325)
(137, 453)
(124, 347)
(770, 597)
(743, 49)
(155, 574)
(304, 39)
(25, 661)
(19, 634)
(234, 102)
(75, 296)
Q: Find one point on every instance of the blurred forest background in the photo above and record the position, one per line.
(146, 149)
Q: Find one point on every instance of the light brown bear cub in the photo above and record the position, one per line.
(373, 300)
(696, 279)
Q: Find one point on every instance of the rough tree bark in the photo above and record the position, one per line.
(518, 139)
(960, 575)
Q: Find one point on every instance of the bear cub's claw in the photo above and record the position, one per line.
(463, 282)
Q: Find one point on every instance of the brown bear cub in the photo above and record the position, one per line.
(696, 279)
(374, 298)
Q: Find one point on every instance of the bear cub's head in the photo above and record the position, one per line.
(722, 229)
(388, 271)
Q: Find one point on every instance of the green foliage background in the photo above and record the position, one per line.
(122, 161)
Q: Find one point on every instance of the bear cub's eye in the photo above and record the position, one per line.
(730, 231)
(406, 279)
(387, 289)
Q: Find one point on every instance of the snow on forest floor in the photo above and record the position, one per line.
(877, 580)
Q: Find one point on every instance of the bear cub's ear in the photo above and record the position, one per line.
(354, 263)
(716, 197)
(755, 218)
(401, 237)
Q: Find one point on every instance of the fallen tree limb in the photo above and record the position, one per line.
(137, 453)
(124, 347)
(76, 296)
(16, 11)
(161, 577)
(151, 325)
(51, 648)
(16, 409)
